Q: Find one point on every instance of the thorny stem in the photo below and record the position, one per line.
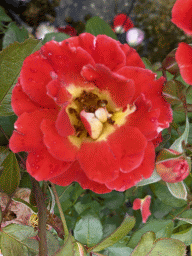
(42, 217)
(66, 231)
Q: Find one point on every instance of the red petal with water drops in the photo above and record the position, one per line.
(58, 91)
(63, 124)
(75, 173)
(98, 161)
(132, 57)
(21, 103)
(184, 59)
(146, 83)
(66, 60)
(108, 52)
(34, 77)
(181, 15)
(145, 119)
(120, 88)
(42, 166)
(145, 170)
(59, 147)
(28, 136)
(128, 143)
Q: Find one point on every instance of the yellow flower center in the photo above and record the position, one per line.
(94, 115)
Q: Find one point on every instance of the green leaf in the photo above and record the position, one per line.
(97, 26)
(68, 248)
(13, 34)
(119, 251)
(14, 240)
(88, 230)
(4, 152)
(154, 226)
(168, 247)
(11, 61)
(7, 124)
(55, 36)
(177, 145)
(165, 196)
(10, 177)
(52, 243)
(79, 250)
(4, 16)
(178, 190)
(154, 178)
(184, 236)
(126, 226)
(145, 244)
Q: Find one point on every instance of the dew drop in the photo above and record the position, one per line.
(37, 167)
(33, 165)
(50, 53)
(30, 79)
(33, 70)
(153, 119)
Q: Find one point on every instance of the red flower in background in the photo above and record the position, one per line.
(143, 205)
(67, 30)
(183, 57)
(88, 111)
(182, 15)
(122, 23)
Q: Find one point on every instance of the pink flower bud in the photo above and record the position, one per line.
(143, 205)
(172, 170)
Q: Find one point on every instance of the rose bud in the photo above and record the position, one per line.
(143, 205)
(173, 169)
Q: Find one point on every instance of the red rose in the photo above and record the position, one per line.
(122, 23)
(143, 205)
(88, 111)
(181, 15)
(172, 170)
(183, 57)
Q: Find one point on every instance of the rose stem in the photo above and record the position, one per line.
(66, 231)
(42, 217)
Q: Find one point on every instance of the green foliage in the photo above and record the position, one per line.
(148, 245)
(88, 230)
(13, 34)
(11, 61)
(97, 26)
(10, 174)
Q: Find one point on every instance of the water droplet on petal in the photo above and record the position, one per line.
(50, 53)
(33, 70)
(33, 165)
(37, 167)
(153, 119)
(30, 79)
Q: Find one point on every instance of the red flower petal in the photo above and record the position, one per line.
(120, 88)
(98, 161)
(67, 30)
(145, 119)
(124, 21)
(127, 140)
(181, 15)
(58, 92)
(63, 124)
(21, 103)
(132, 57)
(145, 212)
(66, 60)
(42, 166)
(146, 83)
(184, 59)
(28, 136)
(145, 170)
(137, 204)
(35, 75)
(59, 147)
(108, 52)
(75, 173)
